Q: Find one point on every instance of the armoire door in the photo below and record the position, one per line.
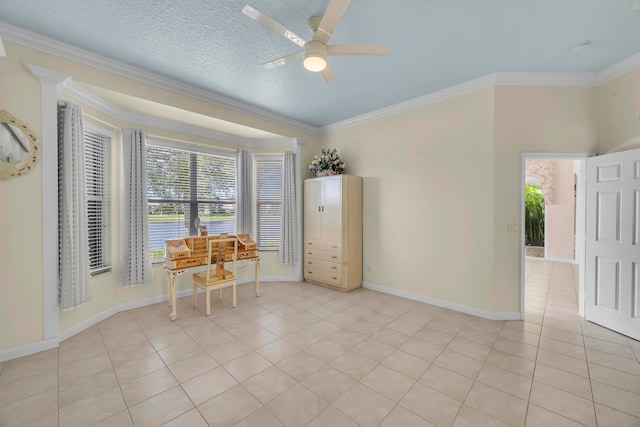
(332, 208)
(312, 209)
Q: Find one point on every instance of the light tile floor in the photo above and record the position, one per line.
(304, 355)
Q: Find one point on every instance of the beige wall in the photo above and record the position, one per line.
(559, 227)
(20, 218)
(21, 209)
(428, 198)
(442, 185)
(618, 113)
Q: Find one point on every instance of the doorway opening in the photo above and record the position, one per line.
(552, 227)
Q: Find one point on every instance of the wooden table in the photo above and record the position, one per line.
(172, 273)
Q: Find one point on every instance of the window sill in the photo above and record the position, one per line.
(99, 271)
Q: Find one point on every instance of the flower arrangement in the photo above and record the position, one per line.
(329, 163)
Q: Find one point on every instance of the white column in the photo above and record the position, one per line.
(49, 81)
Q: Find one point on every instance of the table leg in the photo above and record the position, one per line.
(258, 277)
(172, 274)
(172, 294)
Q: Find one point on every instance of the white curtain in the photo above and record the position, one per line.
(74, 279)
(136, 259)
(244, 201)
(288, 251)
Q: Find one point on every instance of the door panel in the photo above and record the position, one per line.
(332, 208)
(608, 283)
(608, 212)
(612, 242)
(312, 209)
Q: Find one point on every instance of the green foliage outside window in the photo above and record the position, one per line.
(534, 215)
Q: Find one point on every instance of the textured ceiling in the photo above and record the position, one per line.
(434, 44)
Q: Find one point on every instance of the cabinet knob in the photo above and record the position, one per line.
(334, 278)
(334, 257)
(335, 268)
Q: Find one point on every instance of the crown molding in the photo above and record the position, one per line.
(73, 90)
(47, 45)
(422, 101)
(44, 44)
(490, 80)
(496, 79)
(619, 69)
(47, 76)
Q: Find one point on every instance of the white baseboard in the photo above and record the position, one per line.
(491, 315)
(270, 279)
(39, 346)
(25, 350)
(87, 323)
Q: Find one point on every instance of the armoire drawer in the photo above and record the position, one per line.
(323, 276)
(331, 256)
(323, 245)
(332, 267)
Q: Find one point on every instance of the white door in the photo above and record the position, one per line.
(613, 242)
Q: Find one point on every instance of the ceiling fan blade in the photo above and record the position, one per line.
(298, 56)
(273, 25)
(355, 49)
(328, 74)
(330, 20)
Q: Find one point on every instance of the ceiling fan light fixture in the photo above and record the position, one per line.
(315, 63)
(315, 56)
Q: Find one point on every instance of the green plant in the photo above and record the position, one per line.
(534, 215)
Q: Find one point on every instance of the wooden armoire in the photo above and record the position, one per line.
(333, 231)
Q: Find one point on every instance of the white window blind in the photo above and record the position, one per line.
(97, 156)
(269, 202)
(183, 185)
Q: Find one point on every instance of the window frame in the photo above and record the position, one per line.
(266, 158)
(107, 136)
(192, 204)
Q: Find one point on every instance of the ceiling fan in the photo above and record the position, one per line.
(315, 51)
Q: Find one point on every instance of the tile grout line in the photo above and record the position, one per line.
(535, 363)
(114, 373)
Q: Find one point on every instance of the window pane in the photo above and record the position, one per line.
(166, 221)
(167, 174)
(218, 218)
(97, 175)
(269, 202)
(183, 185)
(216, 178)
